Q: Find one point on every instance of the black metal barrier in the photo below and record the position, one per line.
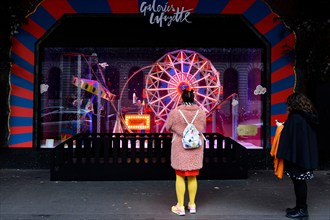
(126, 156)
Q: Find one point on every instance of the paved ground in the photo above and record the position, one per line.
(30, 195)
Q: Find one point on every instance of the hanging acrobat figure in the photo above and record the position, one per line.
(95, 92)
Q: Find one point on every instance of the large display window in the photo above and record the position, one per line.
(92, 89)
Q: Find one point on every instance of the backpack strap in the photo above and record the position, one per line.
(183, 116)
(186, 118)
(194, 117)
(193, 122)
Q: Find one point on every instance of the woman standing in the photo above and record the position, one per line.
(298, 147)
(186, 163)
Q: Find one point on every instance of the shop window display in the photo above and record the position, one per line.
(90, 90)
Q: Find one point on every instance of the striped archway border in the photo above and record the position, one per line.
(257, 12)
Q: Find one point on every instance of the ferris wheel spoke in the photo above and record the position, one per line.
(162, 80)
(176, 95)
(181, 61)
(160, 98)
(212, 84)
(174, 68)
(185, 75)
(160, 104)
(177, 102)
(162, 129)
(164, 108)
(203, 78)
(162, 89)
(206, 97)
(199, 69)
(153, 84)
(169, 75)
(205, 87)
(191, 63)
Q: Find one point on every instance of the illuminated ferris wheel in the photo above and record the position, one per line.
(176, 71)
(167, 77)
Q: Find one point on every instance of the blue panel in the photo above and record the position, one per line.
(20, 121)
(210, 6)
(20, 138)
(257, 12)
(279, 63)
(22, 63)
(27, 39)
(283, 84)
(90, 6)
(43, 18)
(171, 72)
(185, 67)
(18, 81)
(21, 102)
(278, 109)
(278, 33)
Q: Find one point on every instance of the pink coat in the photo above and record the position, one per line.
(182, 159)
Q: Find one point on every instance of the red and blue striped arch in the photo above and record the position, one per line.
(50, 11)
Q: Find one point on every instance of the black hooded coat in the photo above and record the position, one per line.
(298, 140)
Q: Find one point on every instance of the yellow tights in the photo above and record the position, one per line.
(180, 187)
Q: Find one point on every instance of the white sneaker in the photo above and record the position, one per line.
(192, 208)
(178, 210)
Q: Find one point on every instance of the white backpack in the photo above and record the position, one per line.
(191, 136)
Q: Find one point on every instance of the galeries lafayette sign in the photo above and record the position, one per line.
(164, 14)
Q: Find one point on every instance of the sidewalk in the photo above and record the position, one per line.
(30, 195)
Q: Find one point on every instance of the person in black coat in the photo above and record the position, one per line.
(298, 148)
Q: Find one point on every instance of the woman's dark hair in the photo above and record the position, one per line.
(188, 96)
(299, 102)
